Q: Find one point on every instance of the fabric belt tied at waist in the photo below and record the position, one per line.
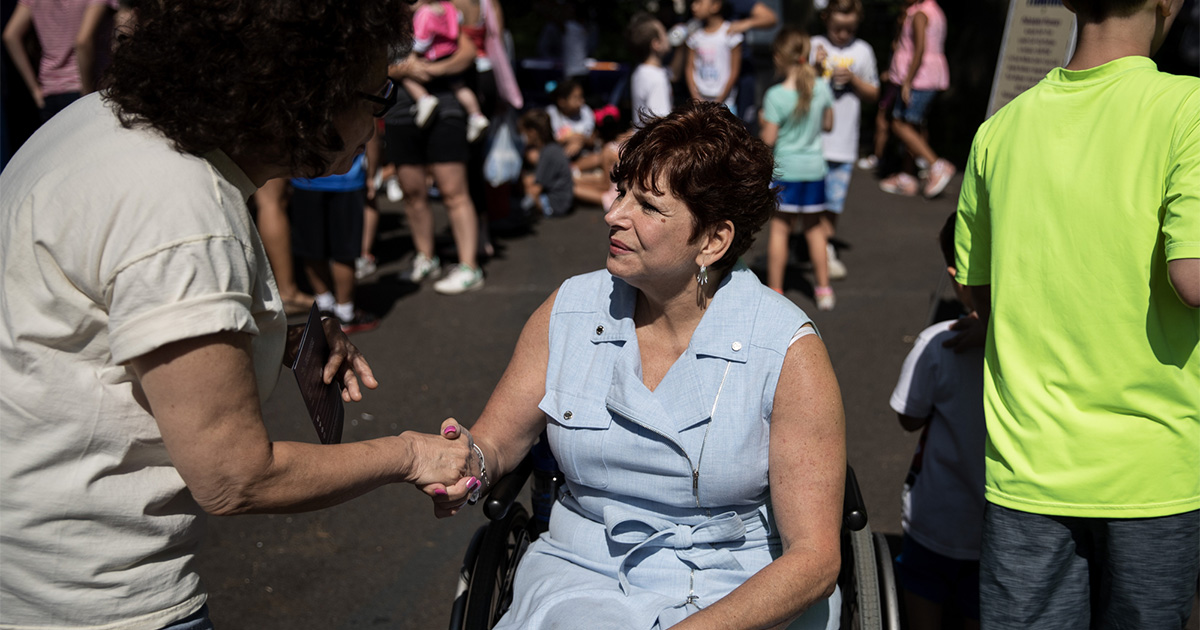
(692, 543)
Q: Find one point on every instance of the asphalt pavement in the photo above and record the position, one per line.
(383, 561)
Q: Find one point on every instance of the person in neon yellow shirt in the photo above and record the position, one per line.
(1079, 234)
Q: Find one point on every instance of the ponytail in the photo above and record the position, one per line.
(791, 49)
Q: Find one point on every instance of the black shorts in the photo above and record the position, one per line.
(443, 140)
(327, 225)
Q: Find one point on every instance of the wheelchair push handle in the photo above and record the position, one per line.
(854, 510)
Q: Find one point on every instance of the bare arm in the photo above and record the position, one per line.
(1185, 277)
(767, 131)
(827, 119)
(19, 25)
(462, 58)
(735, 69)
(920, 22)
(204, 397)
(761, 16)
(689, 72)
(807, 477)
(85, 45)
(511, 421)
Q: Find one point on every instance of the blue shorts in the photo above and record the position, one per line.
(938, 578)
(837, 182)
(801, 197)
(914, 112)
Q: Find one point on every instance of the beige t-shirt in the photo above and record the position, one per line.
(112, 244)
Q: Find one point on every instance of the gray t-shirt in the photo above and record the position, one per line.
(553, 173)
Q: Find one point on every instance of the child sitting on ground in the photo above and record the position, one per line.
(549, 186)
(596, 186)
(435, 36)
(941, 391)
(572, 121)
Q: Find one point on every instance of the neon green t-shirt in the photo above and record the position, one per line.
(1075, 197)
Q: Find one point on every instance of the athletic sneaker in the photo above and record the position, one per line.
(364, 267)
(394, 192)
(423, 267)
(940, 174)
(476, 123)
(460, 280)
(825, 299)
(425, 106)
(900, 184)
(837, 269)
(362, 322)
(868, 163)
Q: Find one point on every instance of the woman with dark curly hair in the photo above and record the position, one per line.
(141, 326)
(693, 411)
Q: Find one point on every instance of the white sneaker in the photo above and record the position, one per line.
(460, 280)
(423, 267)
(868, 163)
(475, 126)
(837, 269)
(364, 267)
(394, 192)
(425, 106)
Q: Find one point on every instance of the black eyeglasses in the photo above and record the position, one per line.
(385, 99)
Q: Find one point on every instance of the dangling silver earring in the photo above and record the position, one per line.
(702, 277)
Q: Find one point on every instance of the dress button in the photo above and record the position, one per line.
(567, 415)
(737, 345)
(600, 330)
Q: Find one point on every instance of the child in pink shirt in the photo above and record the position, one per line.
(918, 71)
(435, 36)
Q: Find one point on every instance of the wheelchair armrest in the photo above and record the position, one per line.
(854, 511)
(506, 489)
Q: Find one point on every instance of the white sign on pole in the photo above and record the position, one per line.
(1038, 37)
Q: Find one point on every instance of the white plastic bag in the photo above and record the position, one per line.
(503, 161)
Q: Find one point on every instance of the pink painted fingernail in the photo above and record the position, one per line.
(440, 492)
(450, 430)
(473, 483)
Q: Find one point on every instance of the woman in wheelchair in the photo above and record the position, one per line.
(694, 412)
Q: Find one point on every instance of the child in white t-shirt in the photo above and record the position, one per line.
(941, 392)
(650, 85)
(714, 55)
(848, 63)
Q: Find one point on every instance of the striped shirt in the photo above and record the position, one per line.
(56, 23)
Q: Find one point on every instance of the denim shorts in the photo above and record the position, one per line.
(1039, 572)
(914, 112)
(837, 183)
(801, 197)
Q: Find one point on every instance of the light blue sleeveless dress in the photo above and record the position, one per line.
(666, 507)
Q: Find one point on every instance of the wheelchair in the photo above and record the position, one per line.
(485, 584)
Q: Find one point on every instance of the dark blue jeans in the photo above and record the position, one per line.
(196, 621)
(1062, 573)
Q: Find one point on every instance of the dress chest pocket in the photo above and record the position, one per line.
(578, 428)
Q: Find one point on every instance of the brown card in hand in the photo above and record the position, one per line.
(324, 401)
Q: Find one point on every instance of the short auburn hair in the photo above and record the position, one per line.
(708, 160)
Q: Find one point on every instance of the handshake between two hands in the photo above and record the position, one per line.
(450, 469)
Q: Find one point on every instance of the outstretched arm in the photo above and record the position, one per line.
(203, 394)
(807, 477)
(761, 16)
(511, 421)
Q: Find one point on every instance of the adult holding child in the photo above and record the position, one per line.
(438, 148)
(141, 327)
(694, 412)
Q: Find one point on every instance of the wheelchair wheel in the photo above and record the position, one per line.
(489, 593)
(859, 582)
(889, 598)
